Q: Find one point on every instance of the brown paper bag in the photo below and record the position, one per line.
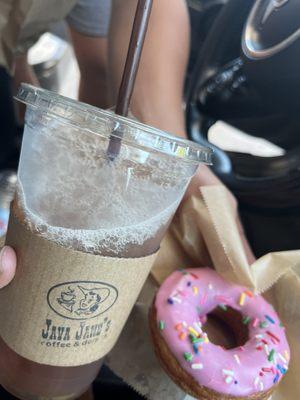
(204, 232)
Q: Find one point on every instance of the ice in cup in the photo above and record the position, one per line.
(86, 231)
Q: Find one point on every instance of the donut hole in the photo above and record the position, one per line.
(226, 328)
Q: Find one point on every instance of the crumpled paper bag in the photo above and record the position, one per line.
(205, 232)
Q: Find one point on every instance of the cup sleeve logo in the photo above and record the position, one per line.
(81, 300)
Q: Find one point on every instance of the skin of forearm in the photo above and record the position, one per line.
(157, 97)
(91, 54)
(23, 72)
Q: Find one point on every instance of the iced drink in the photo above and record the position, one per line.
(91, 228)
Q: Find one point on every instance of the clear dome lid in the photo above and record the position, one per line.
(131, 132)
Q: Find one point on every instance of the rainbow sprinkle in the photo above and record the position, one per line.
(182, 336)
(183, 271)
(276, 379)
(267, 369)
(266, 347)
(206, 340)
(195, 290)
(203, 299)
(183, 294)
(178, 327)
(161, 325)
(193, 331)
(286, 355)
(246, 320)
(192, 337)
(255, 322)
(188, 356)
(237, 359)
(263, 324)
(249, 293)
(271, 355)
(223, 307)
(222, 299)
(270, 319)
(195, 348)
(198, 327)
(228, 379)
(242, 299)
(176, 300)
(228, 372)
(197, 366)
(273, 370)
(281, 369)
(273, 336)
(197, 340)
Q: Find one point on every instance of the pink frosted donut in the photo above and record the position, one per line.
(206, 370)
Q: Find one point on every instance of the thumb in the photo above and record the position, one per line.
(8, 263)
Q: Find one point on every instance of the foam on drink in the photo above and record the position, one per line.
(71, 194)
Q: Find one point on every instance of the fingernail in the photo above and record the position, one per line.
(1, 257)
(7, 265)
(6, 260)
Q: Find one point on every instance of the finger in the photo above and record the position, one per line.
(8, 263)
